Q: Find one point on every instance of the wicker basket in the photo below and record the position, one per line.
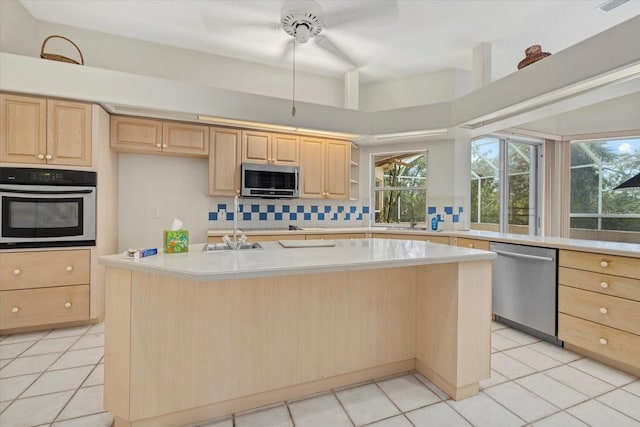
(56, 57)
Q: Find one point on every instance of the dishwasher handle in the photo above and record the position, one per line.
(517, 255)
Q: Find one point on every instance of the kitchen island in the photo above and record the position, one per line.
(196, 335)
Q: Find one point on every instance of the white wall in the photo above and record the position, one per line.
(176, 186)
(17, 28)
(423, 89)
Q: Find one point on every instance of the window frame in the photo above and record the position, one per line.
(377, 192)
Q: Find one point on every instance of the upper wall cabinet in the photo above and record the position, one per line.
(224, 162)
(135, 135)
(324, 168)
(44, 131)
(270, 148)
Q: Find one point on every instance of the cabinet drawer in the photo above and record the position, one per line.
(609, 342)
(617, 286)
(473, 243)
(600, 263)
(616, 312)
(25, 270)
(335, 236)
(32, 307)
(421, 237)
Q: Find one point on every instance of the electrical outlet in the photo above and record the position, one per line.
(155, 213)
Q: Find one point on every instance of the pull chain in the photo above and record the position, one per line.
(293, 102)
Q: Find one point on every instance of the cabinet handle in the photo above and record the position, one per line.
(470, 245)
(48, 157)
(69, 268)
(41, 156)
(604, 264)
(17, 271)
(603, 310)
(603, 341)
(159, 145)
(604, 285)
(67, 304)
(15, 309)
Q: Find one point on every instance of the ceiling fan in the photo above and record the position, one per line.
(304, 20)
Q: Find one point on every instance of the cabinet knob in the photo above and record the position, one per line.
(41, 156)
(67, 304)
(164, 145)
(603, 310)
(15, 309)
(69, 268)
(237, 191)
(17, 271)
(604, 264)
(470, 245)
(604, 285)
(48, 157)
(159, 145)
(603, 341)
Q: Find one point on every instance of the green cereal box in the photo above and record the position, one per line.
(176, 241)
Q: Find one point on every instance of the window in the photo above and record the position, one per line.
(597, 167)
(399, 191)
(504, 185)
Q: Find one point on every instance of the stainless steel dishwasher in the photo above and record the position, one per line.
(524, 288)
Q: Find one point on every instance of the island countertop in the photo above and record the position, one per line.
(274, 260)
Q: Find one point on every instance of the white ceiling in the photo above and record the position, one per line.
(386, 39)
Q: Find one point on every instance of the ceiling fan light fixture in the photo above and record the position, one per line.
(302, 33)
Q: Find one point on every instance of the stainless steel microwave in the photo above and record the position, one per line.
(270, 181)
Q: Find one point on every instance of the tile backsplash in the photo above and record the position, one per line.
(273, 213)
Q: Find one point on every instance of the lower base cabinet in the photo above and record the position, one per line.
(31, 307)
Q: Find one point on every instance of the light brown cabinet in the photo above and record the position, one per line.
(324, 168)
(599, 307)
(471, 243)
(270, 148)
(45, 131)
(224, 162)
(44, 287)
(335, 236)
(406, 236)
(139, 135)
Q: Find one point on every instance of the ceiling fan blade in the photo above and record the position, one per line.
(378, 10)
(329, 46)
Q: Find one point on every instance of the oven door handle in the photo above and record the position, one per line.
(7, 190)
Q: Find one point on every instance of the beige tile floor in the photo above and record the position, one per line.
(55, 379)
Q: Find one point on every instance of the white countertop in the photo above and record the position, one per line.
(274, 260)
(611, 248)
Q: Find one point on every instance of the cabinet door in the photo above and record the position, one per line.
(23, 129)
(337, 169)
(68, 133)
(285, 149)
(224, 162)
(312, 167)
(255, 147)
(136, 135)
(184, 138)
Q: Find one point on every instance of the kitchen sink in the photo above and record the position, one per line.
(215, 247)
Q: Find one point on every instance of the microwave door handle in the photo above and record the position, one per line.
(46, 191)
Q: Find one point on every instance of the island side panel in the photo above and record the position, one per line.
(117, 344)
(201, 343)
(453, 347)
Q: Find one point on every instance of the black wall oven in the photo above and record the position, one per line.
(47, 207)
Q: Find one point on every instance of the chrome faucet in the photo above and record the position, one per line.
(413, 222)
(236, 243)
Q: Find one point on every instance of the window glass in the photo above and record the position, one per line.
(485, 183)
(399, 189)
(597, 168)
